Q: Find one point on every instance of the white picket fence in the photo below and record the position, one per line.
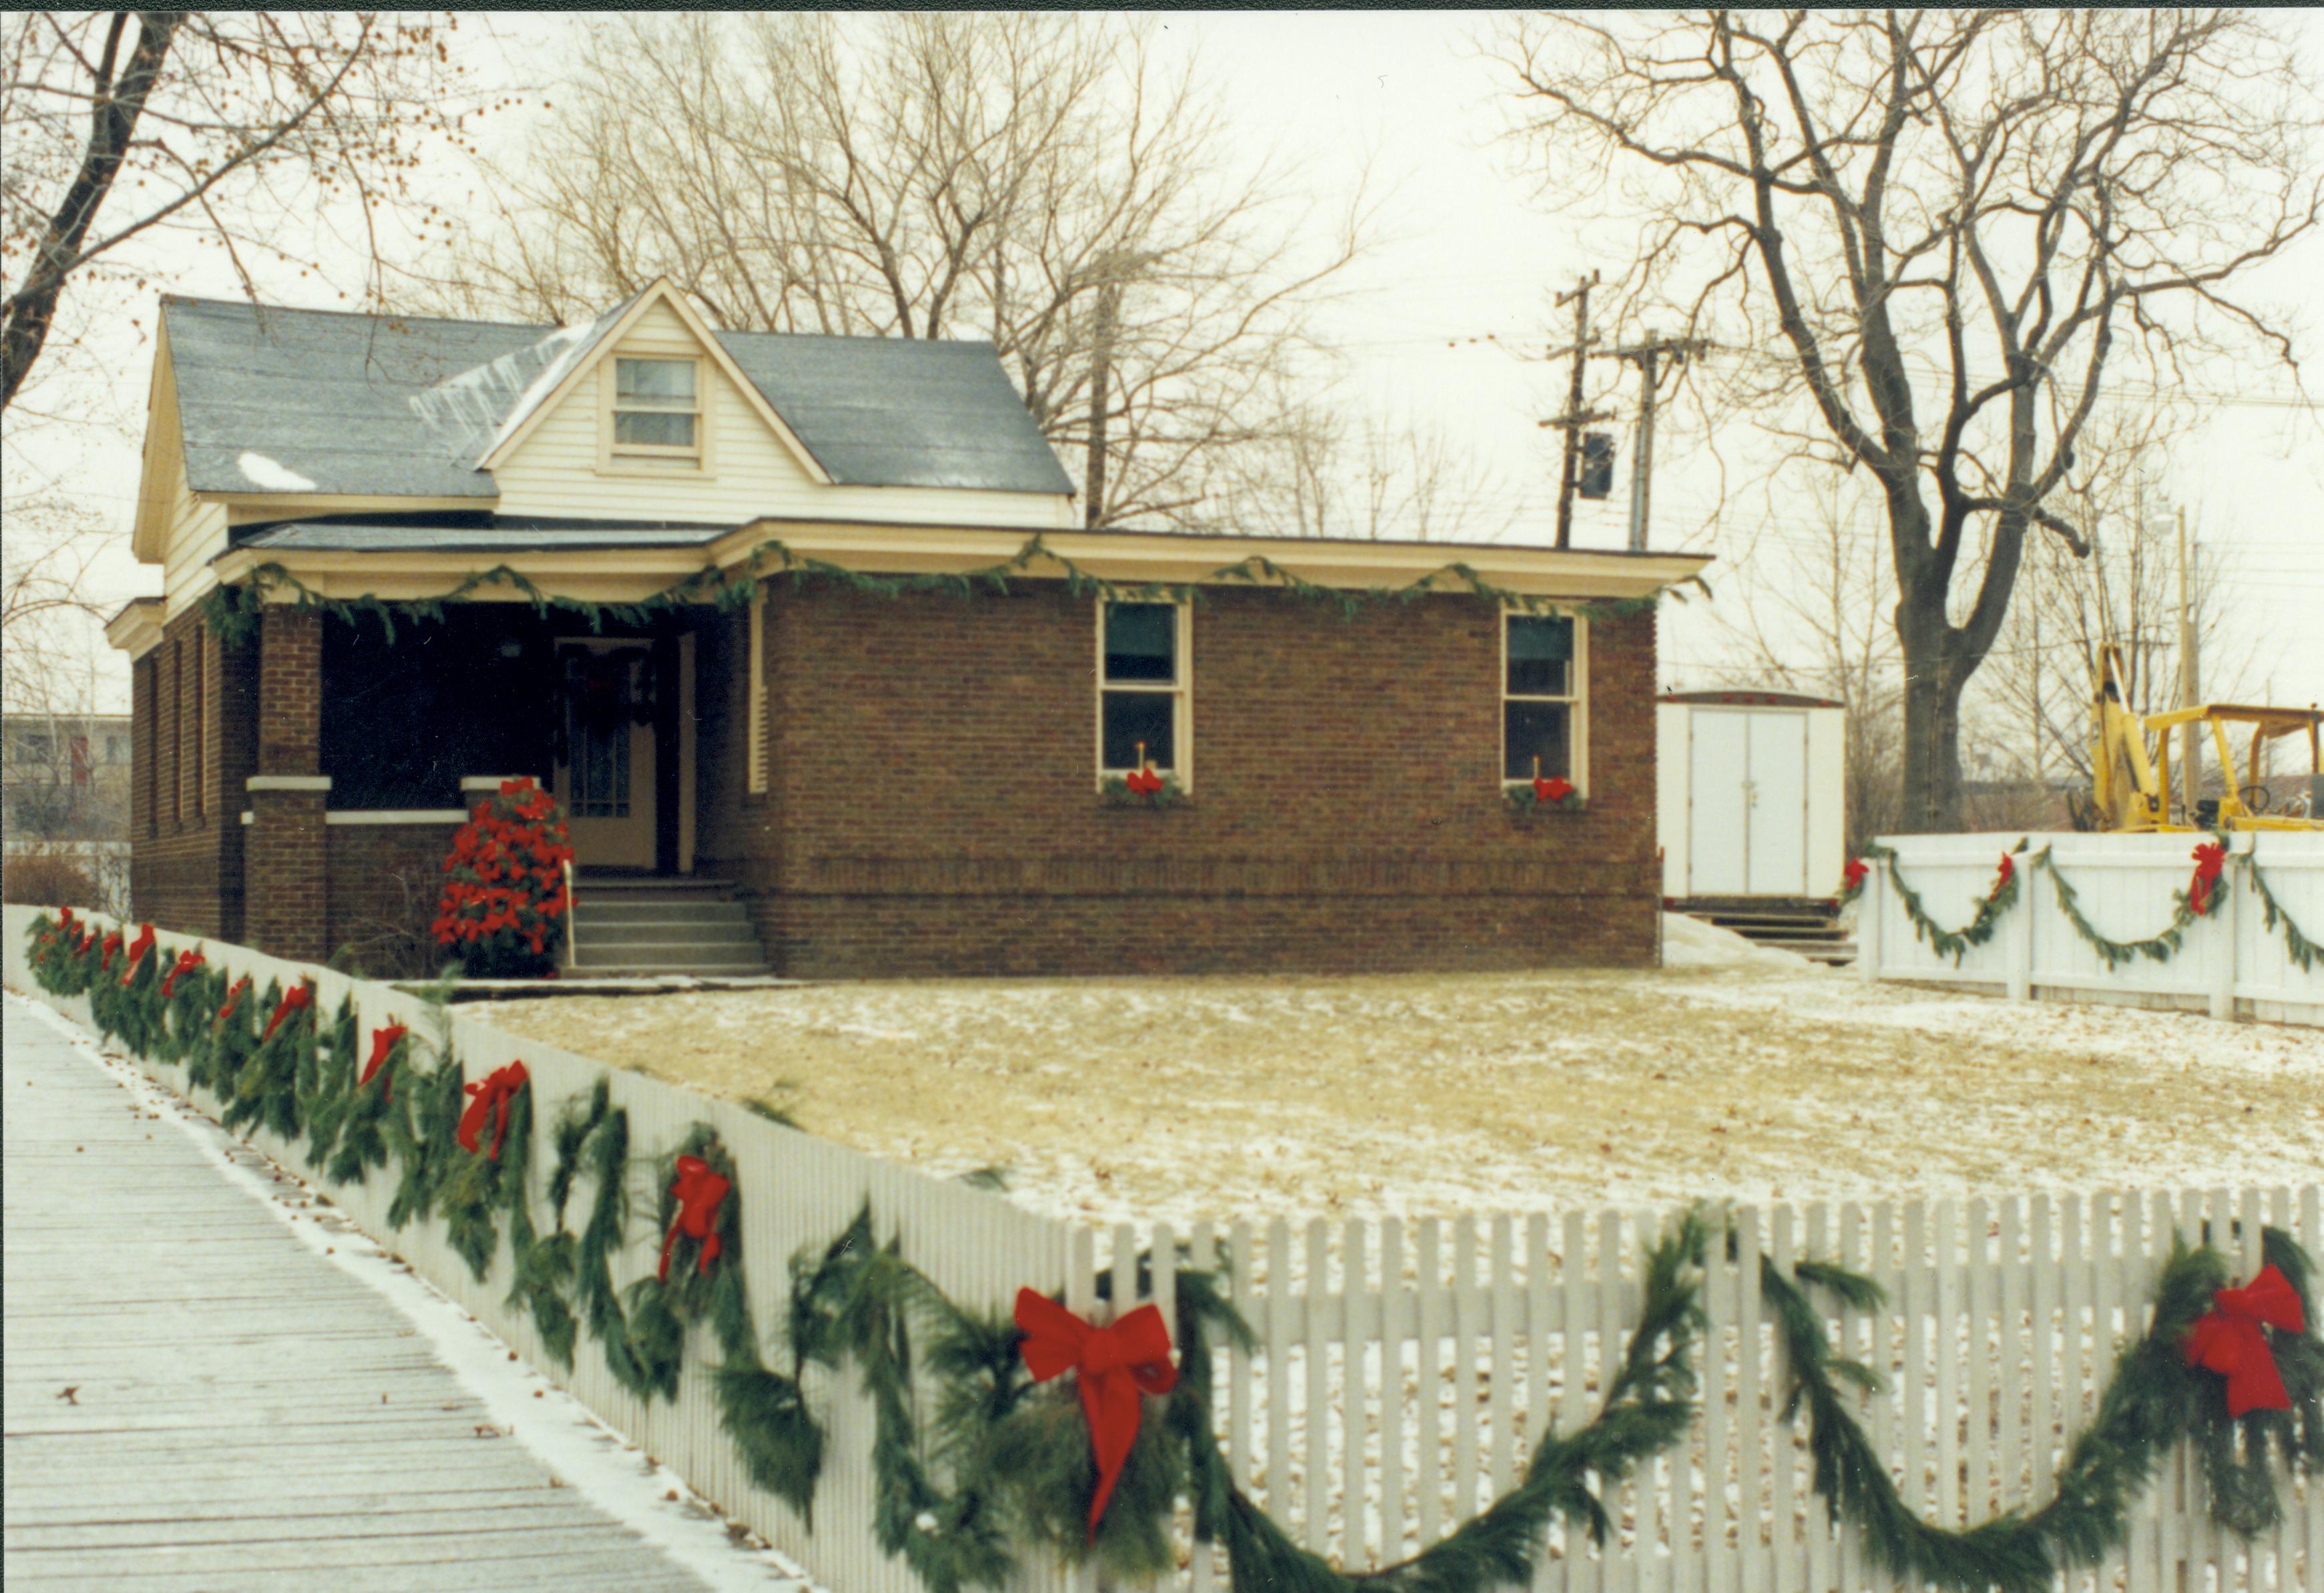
(2229, 964)
(1406, 1371)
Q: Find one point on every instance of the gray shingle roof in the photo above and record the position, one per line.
(316, 401)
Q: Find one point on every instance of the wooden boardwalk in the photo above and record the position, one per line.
(196, 1400)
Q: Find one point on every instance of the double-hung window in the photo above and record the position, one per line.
(656, 408)
(1543, 720)
(1142, 680)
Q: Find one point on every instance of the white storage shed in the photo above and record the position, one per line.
(1752, 798)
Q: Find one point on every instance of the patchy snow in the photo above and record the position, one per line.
(1690, 943)
(1428, 1094)
(268, 476)
(589, 1456)
(490, 400)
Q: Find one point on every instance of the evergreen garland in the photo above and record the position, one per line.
(1115, 791)
(2303, 951)
(2154, 1400)
(232, 612)
(1979, 929)
(2159, 947)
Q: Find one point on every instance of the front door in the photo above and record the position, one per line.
(605, 776)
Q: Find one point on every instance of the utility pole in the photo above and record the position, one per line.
(1101, 364)
(1647, 356)
(2190, 746)
(1573, 419)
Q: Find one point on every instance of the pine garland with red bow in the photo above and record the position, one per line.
(489, 1101)
(1112, 1368)
(1998, 899)
(144, 944)
(187, 961)
(298, 998)
(2167, 1389)
(2206, 889)
(1142, 786)
(2232, 1339)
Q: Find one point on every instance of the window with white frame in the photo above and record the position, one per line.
(1542, 699)
(1142, 678)
(656, 408)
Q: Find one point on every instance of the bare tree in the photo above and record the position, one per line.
(132, 133)
(1945, 229)
(1380, 478)
(1039, 180)
(1813, 593)
(2034, 715)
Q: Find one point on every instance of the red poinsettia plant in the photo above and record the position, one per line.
(504, 900)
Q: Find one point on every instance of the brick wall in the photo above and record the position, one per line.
(189, 749)
(933, 811)
(384, 883)
(286, 891)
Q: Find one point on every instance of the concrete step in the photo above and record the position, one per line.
(650, 889)
(698, 932)
(650, 913)
(639, 954)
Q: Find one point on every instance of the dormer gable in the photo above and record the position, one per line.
(646, 370)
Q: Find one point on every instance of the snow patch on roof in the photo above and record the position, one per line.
(270, 476)
(476, 411)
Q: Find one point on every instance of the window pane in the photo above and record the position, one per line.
(1135, 716)
(645, 426)
(667, 380)
(1540, 649)
(1141, 641)
(1535, 730)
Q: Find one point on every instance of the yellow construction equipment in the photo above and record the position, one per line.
(2130, 764)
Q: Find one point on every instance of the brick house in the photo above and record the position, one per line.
(874, 780)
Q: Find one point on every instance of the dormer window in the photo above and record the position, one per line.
(656, 408)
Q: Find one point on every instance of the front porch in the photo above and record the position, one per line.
(365, 779)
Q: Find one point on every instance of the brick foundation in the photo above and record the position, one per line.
(385, 881)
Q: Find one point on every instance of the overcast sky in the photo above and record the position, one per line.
(1452, 320)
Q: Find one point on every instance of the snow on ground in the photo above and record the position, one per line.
(1732, 1072)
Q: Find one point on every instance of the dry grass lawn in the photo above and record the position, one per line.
(1430, 1093)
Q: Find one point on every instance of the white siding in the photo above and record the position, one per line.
(752, 472)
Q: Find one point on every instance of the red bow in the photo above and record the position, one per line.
(1145, 782)
(112, 944)
(1555, 788)
(138, 950)
(297, 998)
(187, 962)
(64, 917)
(2008, 871)
(2227, 1338)
(496, 1092)
(1857, 872)
(1115, 1365)
(2210, 863)
(697, 1191)
(382, 1041)
(233, 997)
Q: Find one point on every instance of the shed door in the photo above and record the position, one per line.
(1719, 767)
(1747, 802)
(1776, 845)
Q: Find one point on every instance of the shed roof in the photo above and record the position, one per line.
(298, 400)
